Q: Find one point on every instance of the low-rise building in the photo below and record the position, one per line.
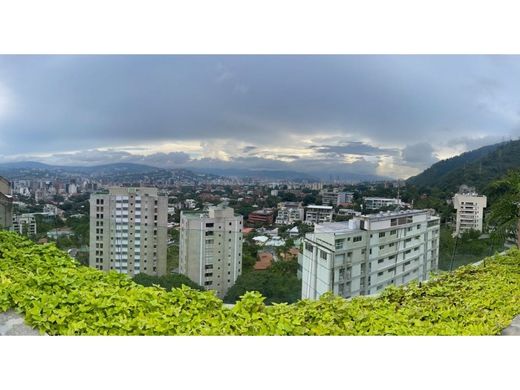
(374, 203)
(289, 213)
(264, 261)
(264, 216)
(368, 253)
(318, 214)
(24, 224)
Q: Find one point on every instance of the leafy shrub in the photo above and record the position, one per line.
(59, 297)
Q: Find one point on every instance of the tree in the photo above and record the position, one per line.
(504, 214)
(167, 281)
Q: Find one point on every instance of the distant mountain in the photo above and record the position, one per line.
(256, 174)
(476, 168)
(118, 172)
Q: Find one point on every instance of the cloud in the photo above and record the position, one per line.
(419, 155)
(359, 148)
(318, 108)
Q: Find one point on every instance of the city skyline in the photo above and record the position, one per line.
(389, 116)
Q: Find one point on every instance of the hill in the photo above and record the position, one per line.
(476, 168)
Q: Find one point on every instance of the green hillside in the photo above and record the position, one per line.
(476, 168)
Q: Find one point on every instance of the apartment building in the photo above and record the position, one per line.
(470, 211)
(210, 250)
(334, 198)
(289, 213)
(128, 231)
(318, 214)
(374, 203)
(6, 204)
(368, 253)
(24, 224)
(264, 216)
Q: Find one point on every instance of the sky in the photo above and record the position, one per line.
(390, 116)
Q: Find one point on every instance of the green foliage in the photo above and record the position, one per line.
(167, 282)
(61, 298)
(505, 209)
(475, 168)
(275, 285)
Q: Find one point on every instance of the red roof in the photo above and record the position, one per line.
(265, 259)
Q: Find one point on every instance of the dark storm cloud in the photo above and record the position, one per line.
(359, 148)
(53, 104)
(419, 155)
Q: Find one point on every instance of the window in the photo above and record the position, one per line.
(323, 255)
(381, 247)
(418, 227)
(308, 247)
(339, 244)
(380, 261)
(382, 234)
(393, 232)
(357, 239)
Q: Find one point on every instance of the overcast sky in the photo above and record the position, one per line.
(383, 115)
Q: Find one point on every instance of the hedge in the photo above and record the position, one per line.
(60, 297)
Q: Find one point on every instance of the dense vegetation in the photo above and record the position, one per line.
(167, 282)
(470, 247)
(59, 297)
(476, 168)
(277, 284)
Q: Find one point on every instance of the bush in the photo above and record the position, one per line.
(59, 297)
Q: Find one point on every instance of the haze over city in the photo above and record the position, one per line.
(388, 116)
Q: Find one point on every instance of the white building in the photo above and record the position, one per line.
(368, 253)
(128, 231)
(373, 203)
(190, 203)
(289, 213)
(334, 198)
(24, 224)
(349, 212)
(470, 211)
(210, 250)
(318, 214)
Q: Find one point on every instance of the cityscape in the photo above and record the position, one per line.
(245, 221)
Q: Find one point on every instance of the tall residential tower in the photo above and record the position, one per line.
(128, 231)
(210, 251)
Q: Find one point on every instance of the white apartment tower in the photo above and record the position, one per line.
(470, 211)
(210, 251)
(368, 253)
(128, 231)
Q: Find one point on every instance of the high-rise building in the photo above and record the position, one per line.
(470, 210)
(6, 205)
(128, 231)
(210, 251)
(368, 253)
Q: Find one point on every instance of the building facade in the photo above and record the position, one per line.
(470, 211)
(289, 213)
(264, 216)
(24, 224)
(128, 231)
(6, 205)
(210, 250)
(372, 203)
(318, 214)
(368, 253)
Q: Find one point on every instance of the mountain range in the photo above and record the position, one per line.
(132, 170)
(476, 168)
